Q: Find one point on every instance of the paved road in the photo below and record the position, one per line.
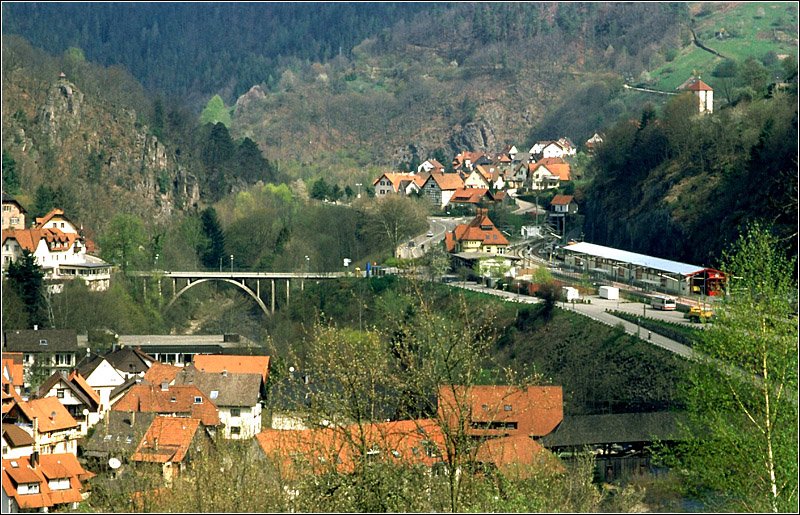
(417, 246)
(596, 311)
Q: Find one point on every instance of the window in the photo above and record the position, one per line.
(235, 430)
(59, 483)
(60, 393)
(236, 412)
(28, 488)
(507, 407)
(28, 358)
(198, 400)
(63, 360)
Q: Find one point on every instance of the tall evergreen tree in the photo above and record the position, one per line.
(27, 279)
(215, 250)
(10, 177)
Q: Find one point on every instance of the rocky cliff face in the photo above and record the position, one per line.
(100, 154)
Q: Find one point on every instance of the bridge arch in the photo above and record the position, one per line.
(238, 284)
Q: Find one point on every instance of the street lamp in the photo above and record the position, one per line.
(231, 263)
(220, 264)
(156, 261)
(308, 264)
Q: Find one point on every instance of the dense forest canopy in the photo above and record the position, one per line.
(192, 48)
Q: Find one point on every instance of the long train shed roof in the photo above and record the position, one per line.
(623, 256)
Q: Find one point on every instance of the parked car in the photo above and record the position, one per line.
(430, 234)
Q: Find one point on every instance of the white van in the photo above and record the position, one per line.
(663, 303)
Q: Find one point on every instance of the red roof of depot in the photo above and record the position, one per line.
(536, 410)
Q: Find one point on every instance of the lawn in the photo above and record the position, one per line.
(754, 29)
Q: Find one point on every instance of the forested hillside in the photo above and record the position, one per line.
(683, 186)
(194, 50)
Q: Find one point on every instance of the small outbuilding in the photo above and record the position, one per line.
(609, 292)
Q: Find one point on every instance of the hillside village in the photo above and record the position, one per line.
(159, 402)
(99, 413)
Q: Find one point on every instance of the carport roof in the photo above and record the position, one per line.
(623, 256)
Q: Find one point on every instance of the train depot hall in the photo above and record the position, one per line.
(648, 272)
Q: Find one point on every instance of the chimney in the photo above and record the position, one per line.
(34, 459)
(52, 416)
(224, 373)
(155, 444)
(35, 327)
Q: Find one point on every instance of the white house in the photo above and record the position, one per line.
(429, 166)
(237, 398)
(479, 177)
(102, 377)
(81, 401)
(58, 248)
(53, 429)
(559, 148)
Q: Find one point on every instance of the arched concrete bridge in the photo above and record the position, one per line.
(183, 281)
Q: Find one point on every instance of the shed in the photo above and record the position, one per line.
(570, 293)
(609, 292)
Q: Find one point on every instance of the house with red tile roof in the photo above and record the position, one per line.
(80, 399)
(564, 204)
(480, 235)
(430, 166)
(13, 372)
(51, 426)
(42, 482)
(495, 411)
(171, 442)
(548, 173)
(59, 248)
(160, 373)
(186, 401)
(479, 177)
(469, 196)
(393, 183)
(479, 246)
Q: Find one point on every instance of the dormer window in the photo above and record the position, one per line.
(42, 342)
(198, 400)
(507, 407)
